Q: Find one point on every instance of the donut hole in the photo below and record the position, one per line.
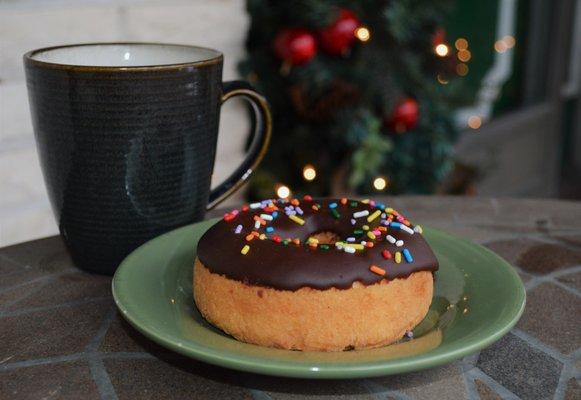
(326, 236)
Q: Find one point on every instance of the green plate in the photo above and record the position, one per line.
(478, 298)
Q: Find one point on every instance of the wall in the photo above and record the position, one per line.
(29, 24)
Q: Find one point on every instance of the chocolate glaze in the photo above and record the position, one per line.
(292, 267)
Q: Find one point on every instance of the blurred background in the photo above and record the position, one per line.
(369, 97)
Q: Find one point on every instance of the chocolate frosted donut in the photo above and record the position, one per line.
(274, 272)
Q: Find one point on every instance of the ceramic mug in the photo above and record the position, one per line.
(126, 134)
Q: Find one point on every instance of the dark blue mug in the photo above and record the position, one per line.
(126, 134)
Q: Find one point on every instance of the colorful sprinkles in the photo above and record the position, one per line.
(374, 216)
(296, 219)
(378, 229)
(398, 257)
(375, 269)
(360, 214)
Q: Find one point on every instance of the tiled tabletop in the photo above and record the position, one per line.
(61, 336)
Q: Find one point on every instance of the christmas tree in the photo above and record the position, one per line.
(361, 92)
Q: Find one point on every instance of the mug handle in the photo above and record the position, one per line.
(261, 132)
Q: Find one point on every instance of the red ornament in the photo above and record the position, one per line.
(405, 115)
(438, 37)
(337, 38)
(295, 46)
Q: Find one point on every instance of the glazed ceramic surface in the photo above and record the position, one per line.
(478, 298)
(126, 135)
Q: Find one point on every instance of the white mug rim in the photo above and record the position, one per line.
(214, 57)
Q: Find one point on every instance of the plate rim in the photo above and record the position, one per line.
(328, 371)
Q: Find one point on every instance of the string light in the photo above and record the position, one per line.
(504, 44)
(462, 69)
(441, 50)
(509, 41)
(380, 183)
(282, 191)
(441, 79)
(474, 122)
(464, 55)
(362, 33)
(309, 172)
(461, 44)
(500, 46)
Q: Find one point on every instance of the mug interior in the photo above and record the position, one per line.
(124, 54)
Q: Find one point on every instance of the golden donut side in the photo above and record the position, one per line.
(310, 319)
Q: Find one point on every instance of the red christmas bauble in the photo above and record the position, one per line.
(438, 37)
(405, 115)
(295, 46)
(337, 38)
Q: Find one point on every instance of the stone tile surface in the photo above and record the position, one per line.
(60, 381)
(121, 337)
(536, 256)
(47, 255)
(524, 277)
(446, 208)
(485, 392)
(552, 315)
(70, 287)
(573, 390)
(36, 277)
(545, 215)
(546, 258)
(39, 259)
(155, 379)
(572, 280)
(288, 389)
(11, 296)
(333, 390)
(445, 382)
(566, 215)
(8, 266)
(524, 370)
(511, 249)
(473, 233)
(573, 240)
(53, 332)
(19, 279)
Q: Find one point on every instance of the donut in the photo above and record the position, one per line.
(314, 274)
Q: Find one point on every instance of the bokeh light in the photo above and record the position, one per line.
(309, 172)
(474, 122)
(282, 191)
(362, 33)
(441, 79)
(380, 183)
(461, 44)
(462, 69)
(509, 41)
(441, 50)
(500, 46)
(464, 55)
